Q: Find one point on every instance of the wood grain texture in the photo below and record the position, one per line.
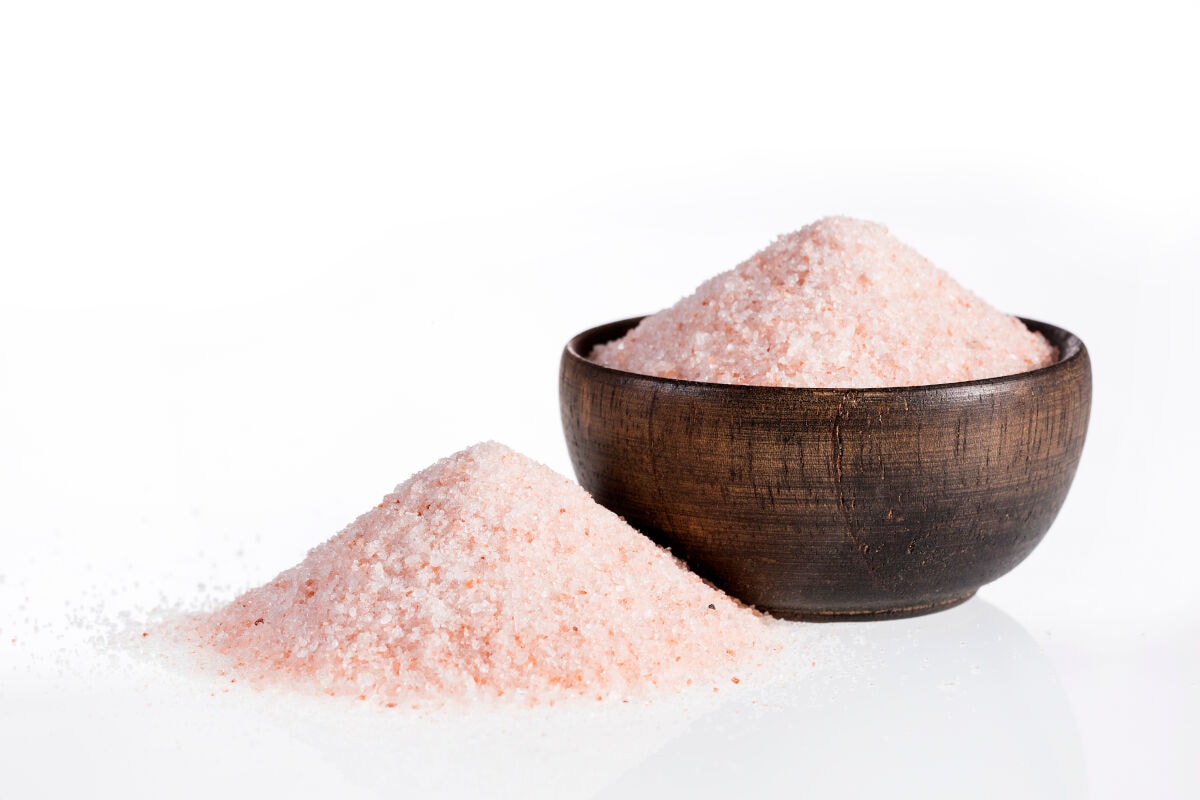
(832, 504)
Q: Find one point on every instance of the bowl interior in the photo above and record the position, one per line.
(580, 346)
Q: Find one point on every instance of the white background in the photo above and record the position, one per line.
(260, 262)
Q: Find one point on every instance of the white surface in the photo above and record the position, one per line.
(260, 263)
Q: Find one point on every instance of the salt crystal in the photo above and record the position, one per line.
(486, 574)
(839, 303)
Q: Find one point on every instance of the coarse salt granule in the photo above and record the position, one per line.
(486, 574)
(839, 303)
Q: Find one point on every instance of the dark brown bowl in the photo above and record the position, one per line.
(832, 504)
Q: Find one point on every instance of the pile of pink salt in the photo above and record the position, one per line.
(839, 303)
(486, 574)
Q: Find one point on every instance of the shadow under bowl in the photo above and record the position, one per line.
(832, 504)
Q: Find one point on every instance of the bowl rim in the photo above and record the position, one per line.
(1071, 351)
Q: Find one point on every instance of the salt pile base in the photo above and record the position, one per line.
(840, 303)
(486, 574)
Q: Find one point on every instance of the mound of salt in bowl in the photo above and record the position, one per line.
(840, 303)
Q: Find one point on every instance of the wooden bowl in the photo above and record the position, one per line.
(832, 504)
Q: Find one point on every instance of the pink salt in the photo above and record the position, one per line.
(839, 303)
(485, 574)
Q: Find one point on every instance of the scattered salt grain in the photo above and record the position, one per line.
(486, 574)
(839, 303)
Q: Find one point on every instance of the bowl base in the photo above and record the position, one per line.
(808, 615)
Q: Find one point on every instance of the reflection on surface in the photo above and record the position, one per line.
(958, 704)
(963, 703)
(520, 753)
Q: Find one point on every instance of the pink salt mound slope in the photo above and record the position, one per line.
(839, 303)
(486, 574)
